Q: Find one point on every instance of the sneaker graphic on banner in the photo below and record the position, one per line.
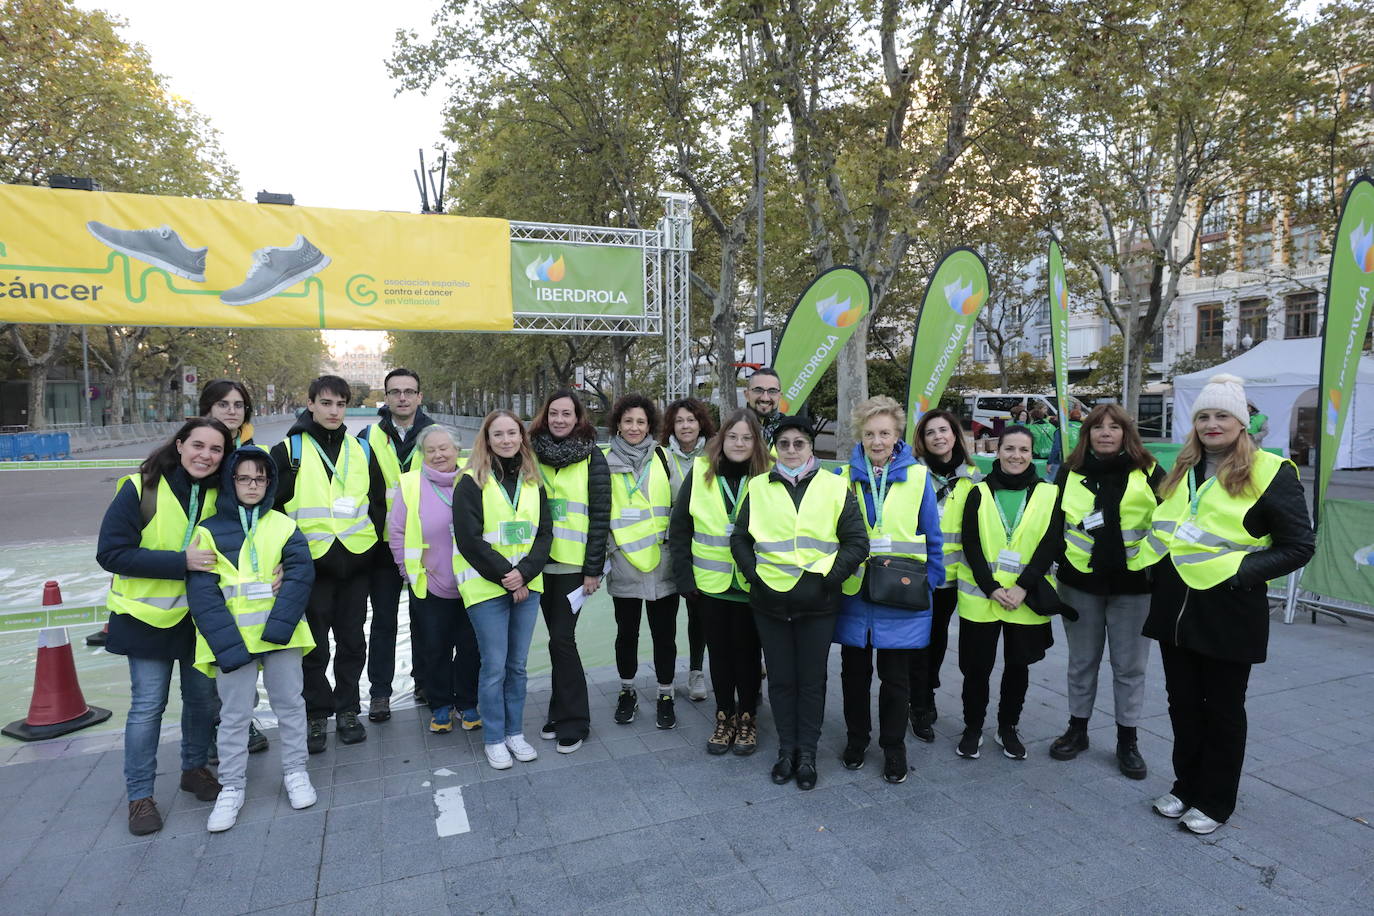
(276, 269)
(160, 247)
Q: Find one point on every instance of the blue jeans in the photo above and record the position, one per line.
(504, 630)
(149, 681)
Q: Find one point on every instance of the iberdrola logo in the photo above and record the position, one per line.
(960, 297)
(836, 313)
(1364, 556)
(546, 270)
(1362, 247)
(1060, 293)
(1333, 410)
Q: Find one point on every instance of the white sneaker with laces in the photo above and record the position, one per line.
(521, 748)
(299, 790)
(226, 810)
(1198, 823)
(696, 685)
(1169, 805)
(498, 756)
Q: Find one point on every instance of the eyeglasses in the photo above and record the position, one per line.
(402, 392)
(229, 405)
(774, 392)
(791, 445)
(247, 481)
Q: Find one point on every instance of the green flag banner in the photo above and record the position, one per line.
(821, 323)
(1347, 320)
(1343, 566)
(957, 291)
(564, 278)
(1059, 337)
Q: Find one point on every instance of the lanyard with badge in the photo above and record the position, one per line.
(631, 513)
(1009, 560)
(514, 531)
(342, 506)
(731, 498)
(1094, 519)
(254, 588)
(882, 543)
(1189, 531)
(558, 505)
(192, 517)
(446, 499)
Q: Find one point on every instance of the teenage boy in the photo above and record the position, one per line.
(331, 486)
(242, 624)
(393, 442)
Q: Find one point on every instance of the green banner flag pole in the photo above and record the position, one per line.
(821, 323)
(1059, 337)
(1345, 324)
(957, 290)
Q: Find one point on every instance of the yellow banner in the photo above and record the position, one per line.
(81, 257)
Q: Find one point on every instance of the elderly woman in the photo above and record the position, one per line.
(421, 538)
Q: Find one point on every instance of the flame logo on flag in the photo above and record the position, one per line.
(546, 270)
(1364, 556)
(960, 297)
(1333, 410)
(1061, 293)
(837, 314)
(1362, 247)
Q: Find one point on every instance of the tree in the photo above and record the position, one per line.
(1107, 366)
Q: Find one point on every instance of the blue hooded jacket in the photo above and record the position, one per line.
(208, 609)
(862, 623)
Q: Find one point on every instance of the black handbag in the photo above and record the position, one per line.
(897, 582)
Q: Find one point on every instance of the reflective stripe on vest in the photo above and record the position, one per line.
(251, 614)
(901, 514)
(952, 520)
(1137, 507)
(1033, 528)
(788, 539)
(312, 505)
(713, 566)
(385, 451)
(1214, 552)
(569, 533)
(157, 602)
(638, 538)
(472, 586)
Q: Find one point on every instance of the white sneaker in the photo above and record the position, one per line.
(521, 748)
(299, 790)
(498, 756)
(1169, 805)
(226, 811)
(1198, 822)
(696, 685)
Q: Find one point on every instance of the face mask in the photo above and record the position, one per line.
(794, 473)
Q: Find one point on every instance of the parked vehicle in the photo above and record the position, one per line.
(983, 408)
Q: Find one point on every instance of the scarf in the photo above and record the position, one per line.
(559, 453)
(999, 479)
(1106, 478)
(632, 456)
(769, 424)
(442, 479)
(795, 477)
(696, 452)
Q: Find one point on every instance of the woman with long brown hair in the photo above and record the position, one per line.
(687, 428)
(1107, 494)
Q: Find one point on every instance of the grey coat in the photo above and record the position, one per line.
(624, 580)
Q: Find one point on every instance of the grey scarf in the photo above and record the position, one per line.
(633, 457)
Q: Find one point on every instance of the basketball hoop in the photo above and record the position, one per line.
(748, 365)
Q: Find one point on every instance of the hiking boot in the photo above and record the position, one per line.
(441, 719)
(1129, 761)
(349, 729)
(379, 709)
(316, 737)
(143, 817)
(226, 811)
(1010, 741)
(257, 741)
(1073, 742)
(469, 720)
(696, 686)
(921, 720)
(665, 717)
(626, 706)
(723, 738)
(201, 783)
(806, 771)
(276, 269)
(746, 734)
(160, 247)
(853, 756)
(969, 744)
(299, 791)
(785, 767)
(894, 765)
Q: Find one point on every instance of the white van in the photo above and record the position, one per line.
(984, 407)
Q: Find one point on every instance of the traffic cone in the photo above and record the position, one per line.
(57, 707)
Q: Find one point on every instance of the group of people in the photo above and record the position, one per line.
(228, 560)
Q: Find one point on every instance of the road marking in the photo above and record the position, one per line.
(452, 818)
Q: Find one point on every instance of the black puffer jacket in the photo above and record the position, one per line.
(1231, 620)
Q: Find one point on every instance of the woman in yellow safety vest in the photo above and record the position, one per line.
(898, 505)
(641, 502)
(1231, 518)
(687, 427)
(503, 531)
(705, 573)
(578, 486)
(944, 448)
(228, 401)
(1010, 541)
(147, 540)
(798, 536)
(1107, 496)
(421, 529)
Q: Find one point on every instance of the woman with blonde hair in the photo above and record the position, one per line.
(1231, 518)
(502, 529)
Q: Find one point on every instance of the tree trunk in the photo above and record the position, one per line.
(851, 383)
(1135, 357)
(39, 365)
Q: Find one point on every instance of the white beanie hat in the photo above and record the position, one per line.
(1223, 392)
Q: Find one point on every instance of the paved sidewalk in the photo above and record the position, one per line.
(643, 821)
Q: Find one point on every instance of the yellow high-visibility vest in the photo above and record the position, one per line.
(639, 514)
(790, 540)
(385, 450)
(900, 513)
(713, 566)
(952, 520)
(567, 492)
(158, 602)
(1025, 538)
(333, 507)
(1137, 508)
(498, 517)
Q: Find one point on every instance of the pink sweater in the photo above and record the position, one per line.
(436, 524)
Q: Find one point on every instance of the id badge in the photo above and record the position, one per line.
(1009, 561)
(345, 506)
(1189, 532)
(880, 545)
(558, 509)
(1093, 520)
(634, 515)
(516, 532)
(255, 590)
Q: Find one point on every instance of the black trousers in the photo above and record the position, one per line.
(733, 641)
(449, 660)
(338, 606)
(797, 652)
(662, 615)
(1207, 709)
(384, 587)
(926, 663)
(856, 681)
(696, 634)
(978, 654)
(568, 710)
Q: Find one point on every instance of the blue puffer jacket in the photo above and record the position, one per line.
(861, 622)
(203, 594)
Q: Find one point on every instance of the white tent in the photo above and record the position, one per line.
(1281, 376)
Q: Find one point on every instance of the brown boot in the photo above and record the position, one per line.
(201, 783)
(746, 734)
(143, 817)
(723, 736)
